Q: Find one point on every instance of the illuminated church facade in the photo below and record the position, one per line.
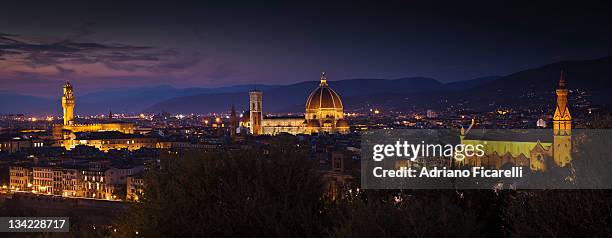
(537, 150)
(324, 113)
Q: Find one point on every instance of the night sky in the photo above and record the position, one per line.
(126, 45)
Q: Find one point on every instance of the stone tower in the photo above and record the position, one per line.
(256, 115)
(562, 126)
(68, 104)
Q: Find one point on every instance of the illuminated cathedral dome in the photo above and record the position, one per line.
(324, 114)
(324, 110)
(323, 97)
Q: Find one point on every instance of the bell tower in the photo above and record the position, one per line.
(68, 104)
(562, 126)
(255, 97)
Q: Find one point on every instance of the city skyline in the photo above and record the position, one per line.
(319, 118)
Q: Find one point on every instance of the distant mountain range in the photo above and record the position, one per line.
(291, 98)
(116, 100)
(525, 87)
(533, 87)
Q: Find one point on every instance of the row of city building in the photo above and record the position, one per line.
(96, 181)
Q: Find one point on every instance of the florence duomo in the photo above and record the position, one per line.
(323, 114)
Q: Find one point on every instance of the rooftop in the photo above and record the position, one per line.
(105, 135)
(534, 135)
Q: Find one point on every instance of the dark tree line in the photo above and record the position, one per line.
(280, 193)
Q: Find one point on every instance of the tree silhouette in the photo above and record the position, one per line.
(230, 194)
